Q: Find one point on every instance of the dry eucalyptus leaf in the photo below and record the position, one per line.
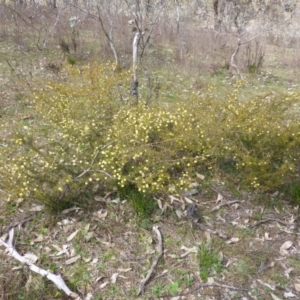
(95, 188)
(38, 239)
(289, 295)
(95, 260)
(114, 277)
(285, 246)
(172, 255)
(221, 256)
(107, 244)
(72, 260)
(159, 203)
(287, 272)
(210, 280)
(233, 240)
(4, 236)
(66, 211)
(86, 227)
(220, 198)
(36, 208)
(190, 192)
(124, 270)
(71, 236)
(101, 215)
(100, 278)
(66, 222)
(208, 236)
(88, 236)
(87, 260)
(19, 200)
(56, 247)
(172, 198)
(46, 249)
(179, 213)
(116, 201)
(103, 285)
(28, 283)
(267, 237)
(297, 287)
(275, 297)
(217, 207)
(200, 176)
(89, 296)
(188, 251)
(188, 200)
(236, 206)
(266, 284)
(31, 258)
(98, 198)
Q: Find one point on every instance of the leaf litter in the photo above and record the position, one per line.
(267, 253)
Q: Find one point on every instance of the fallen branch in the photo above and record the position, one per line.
(56, 279)
(228, 203)
(193, 215)
(224, 286)
(268, 220)
(155, 262)
(206, 285)
(20, 223)
(215, 232)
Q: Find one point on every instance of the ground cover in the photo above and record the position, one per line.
(220, 241)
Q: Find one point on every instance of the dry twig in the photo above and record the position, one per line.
(155, 262)
(268, 220)
(215, 232)
(225, 286)
(227, 203)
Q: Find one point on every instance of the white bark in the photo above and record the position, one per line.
(56, 279)
(135, 83)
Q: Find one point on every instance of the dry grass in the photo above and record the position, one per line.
(111, 238)
(109, 241)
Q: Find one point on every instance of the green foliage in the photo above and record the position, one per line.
(159, 148)
(143, 204)
(71, 60)
(55, 158)
(295, 192)
(208, 260)
(173, 288)
(157, 289)
(85, 131)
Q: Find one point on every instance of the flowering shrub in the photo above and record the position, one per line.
(50, 158)
(84, 132)
(161, 148)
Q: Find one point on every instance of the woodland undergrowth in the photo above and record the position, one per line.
(85, 130)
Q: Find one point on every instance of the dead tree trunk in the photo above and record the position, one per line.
(135, 82)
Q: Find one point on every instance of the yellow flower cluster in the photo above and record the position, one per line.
(83, 133)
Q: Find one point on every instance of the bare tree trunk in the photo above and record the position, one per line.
(135, 83)
(233, 57)
(177, 16)
(109, 36)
